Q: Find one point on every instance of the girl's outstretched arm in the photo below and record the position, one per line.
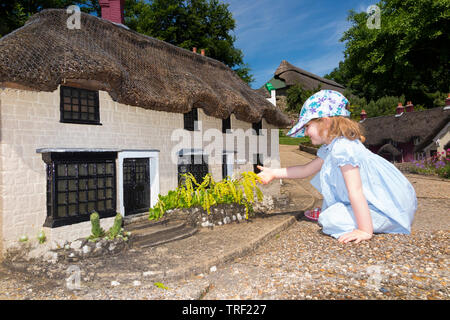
(295, 172)
(359, 205)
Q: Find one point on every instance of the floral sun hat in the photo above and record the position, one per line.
(325, 103)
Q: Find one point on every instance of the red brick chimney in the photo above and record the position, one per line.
(409, 107)
(363, 114)
(194, 49)
(202, 52)
(112, 10)
(447, 101)
(400, 108)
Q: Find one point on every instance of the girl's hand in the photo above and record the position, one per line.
(356, 235)
(266, 174)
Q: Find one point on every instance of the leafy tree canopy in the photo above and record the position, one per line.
(204, 24)
(408, 55)
(296, 96)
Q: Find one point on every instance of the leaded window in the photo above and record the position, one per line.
(224, 167)
(193, 163)
(79, 183)
(257, 126)
(79, 106)
(226, 124)
(190, 120)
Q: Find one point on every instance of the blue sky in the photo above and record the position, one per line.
(306, 33)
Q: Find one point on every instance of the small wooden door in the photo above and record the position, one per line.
(136, 185)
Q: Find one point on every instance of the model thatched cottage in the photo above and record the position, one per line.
(287, 75)
(408, 135)
(87, 121)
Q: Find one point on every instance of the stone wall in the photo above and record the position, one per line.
(31, 120)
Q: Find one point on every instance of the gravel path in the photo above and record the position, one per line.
(303, 264)
(298, 263)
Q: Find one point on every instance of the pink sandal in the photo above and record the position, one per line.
(313, 214)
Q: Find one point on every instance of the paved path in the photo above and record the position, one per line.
(295, 260)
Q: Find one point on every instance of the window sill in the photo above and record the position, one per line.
(50, 222)
(81, 122)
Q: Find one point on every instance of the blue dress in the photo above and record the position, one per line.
(391, 197)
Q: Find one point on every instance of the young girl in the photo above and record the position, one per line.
(362, 192)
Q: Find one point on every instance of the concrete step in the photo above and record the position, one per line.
(149, 234)
(136, 218)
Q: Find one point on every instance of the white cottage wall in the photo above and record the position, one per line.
(30, 120)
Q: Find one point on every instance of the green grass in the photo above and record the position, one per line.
(292, 141)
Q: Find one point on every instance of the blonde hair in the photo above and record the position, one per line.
(341, 127)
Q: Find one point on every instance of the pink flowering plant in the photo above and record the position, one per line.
(438, 164)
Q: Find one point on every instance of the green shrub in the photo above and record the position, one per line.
(96, 230)
(209, 193)
(296, 95)
(41, 237)
(116, 229)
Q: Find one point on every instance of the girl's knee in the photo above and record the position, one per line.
(336, 220)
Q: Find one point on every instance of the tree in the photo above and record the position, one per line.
(408, 55)
(190, 23)
(296, 96)
(204, 24)
(14, 13)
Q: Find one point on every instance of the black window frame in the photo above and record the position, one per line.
(90, 186)
(191, 163)
(259, 162)
(76, 96)
(224, 166)
(190, 119)
(257, 126)
(226, 124)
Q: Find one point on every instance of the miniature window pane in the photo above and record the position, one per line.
(74, 106)
(257, 126)
(78, 185)
(189, 120)
(194, 164)
(226, 124)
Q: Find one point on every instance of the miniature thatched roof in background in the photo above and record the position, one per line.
(135, 69)
(292, 75)
(424, 124)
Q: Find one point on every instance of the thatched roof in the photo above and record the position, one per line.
(424, 124)
(292, 75)
(135, 69)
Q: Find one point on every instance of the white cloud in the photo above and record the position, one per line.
(304, 32)
(320, 65)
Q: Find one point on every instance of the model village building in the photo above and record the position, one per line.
(287, 75)
(408, 135)
(87, 117)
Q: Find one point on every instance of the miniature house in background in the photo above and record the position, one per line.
(287, 75)
(408, 135)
